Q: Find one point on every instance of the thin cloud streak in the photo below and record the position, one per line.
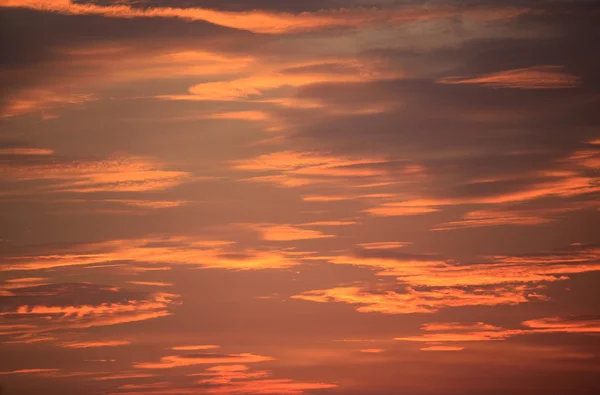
(271, 22)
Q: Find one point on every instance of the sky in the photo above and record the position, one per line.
(318, 197)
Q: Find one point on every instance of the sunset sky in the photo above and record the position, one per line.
(299, 197)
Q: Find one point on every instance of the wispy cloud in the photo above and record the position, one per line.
(270, 22)
(96, 344)
(539, 77)
(44, 308)
(456, 332)
(121, 174)
(169, 250)
(288, 233)
(195, 348)
(175, 361)
(431, 284)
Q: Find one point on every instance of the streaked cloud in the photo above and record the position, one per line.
(23, 151)
(539, 77)
(96, 344)
(288, 233)
(485, 218)
(151, 283)
(45, 308)
(121, 174)
(430, 284)
(269, 22)
(413, 300)
(456, 332)
(371, 350)
(175, 361)
(195, 348)
(442, 348)
(166, 250)
(29, 371)
(43, 101)
(384, 245)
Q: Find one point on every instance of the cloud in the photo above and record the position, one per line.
(399, 209)
(123, 376)
(195, 348)
(532, 268)
(302, 168)
(288, 233)
(456, 332)
(121, 174)
(329, 223)
(96, 344)
(411, 300)
(539, 77)
(270, 22)
(371, 350)
(168, 250)
(175, 361)
(151, 283)
(428, 284)
(58, 307)
(486, 218)
(230, 374)
(162, 384)
(149, 204)
(24, 151)
(43, 101)
(29, 371)
(275, 386)
(583, 324)
(442, 348)
(384, 245)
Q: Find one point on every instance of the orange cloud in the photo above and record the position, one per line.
(150, 204)
(195, 348)
(372, 350)
(409, 207)
(567, 325)
(124, 376)
(171, 250)
(241, 115)
(544, 267)
(175, 361)
(270, 387)
(297, 168)
(112, 343)
(162, 384)
(151, 283)
(321, 198)
(27, 338)
(442, 348)
(384, 245)
(288, 233)
(220, 375)
(505, 280)
(41, 100)
(569, 178)
(539, 77)
(456, 332)
(304, 162)
(98, 306)
(456, 326)
(485, 218)
(329, 223)
(273, 22)
(415, 301)
(123, 174)
(26, 151)
(29, 371)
